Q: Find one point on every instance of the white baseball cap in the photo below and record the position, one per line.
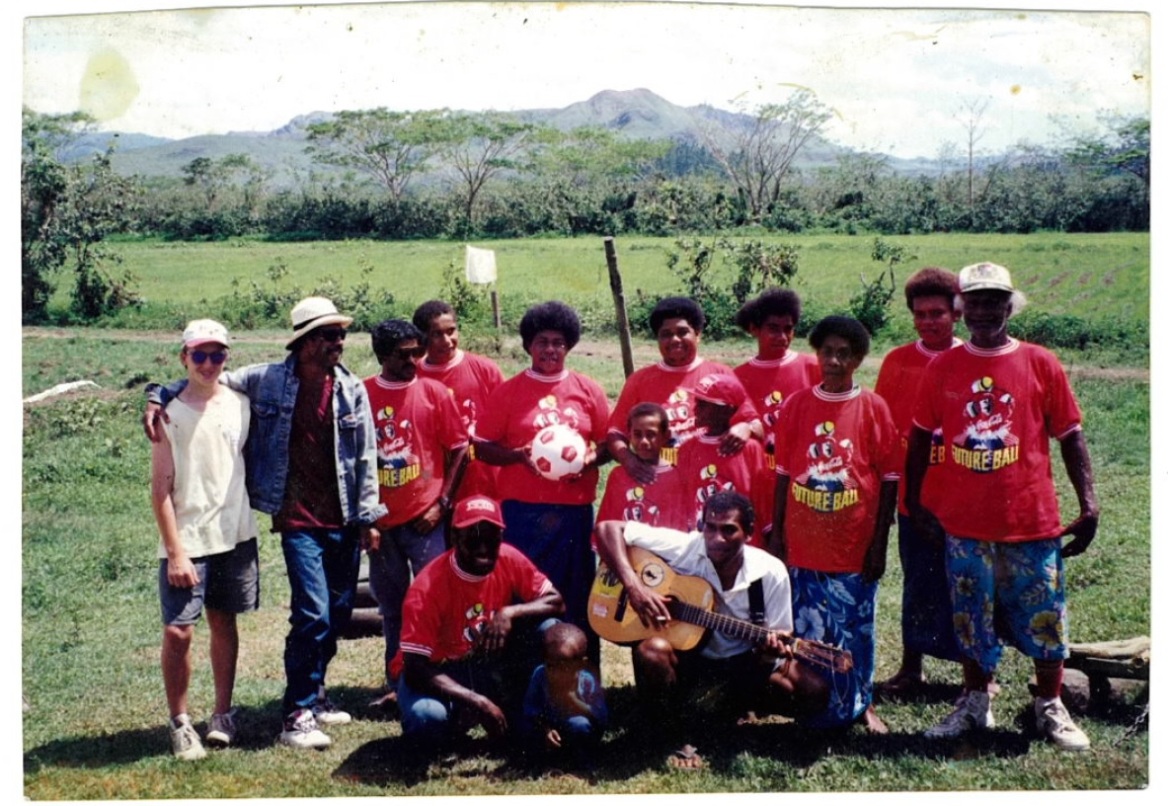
(985, 277)
(204, 331)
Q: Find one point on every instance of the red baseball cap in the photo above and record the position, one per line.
(720, 389)
(475, 508)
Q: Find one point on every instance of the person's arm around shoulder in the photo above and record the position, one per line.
(1078, 463)
(180, 571)
(158, 397)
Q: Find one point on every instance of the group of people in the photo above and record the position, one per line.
(775, 481)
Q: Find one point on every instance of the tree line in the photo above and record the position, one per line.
(441, 174)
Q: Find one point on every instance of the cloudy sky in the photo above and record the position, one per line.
(897, 80)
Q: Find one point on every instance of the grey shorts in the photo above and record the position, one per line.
(228, 582)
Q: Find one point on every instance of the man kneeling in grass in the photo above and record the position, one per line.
(472, 623)
(764, 677)
(207, 549)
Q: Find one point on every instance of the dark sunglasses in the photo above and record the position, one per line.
(416, 352)
(217, 357)
(332, 333)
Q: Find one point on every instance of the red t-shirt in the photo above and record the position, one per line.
(998, 410)
(471, 379)
(672, 388)
(525, 404)
(898, 381)
(769, 383)
(836, 449)
(704, 472)
(417, 425)
(656, 504)
(446, 609)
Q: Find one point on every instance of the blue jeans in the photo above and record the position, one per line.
(322, 572)
(427, 720)
(403, 553)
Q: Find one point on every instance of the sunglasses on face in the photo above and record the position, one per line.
(199, 356)
(415, 352)
(332, 334)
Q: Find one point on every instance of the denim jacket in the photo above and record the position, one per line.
(272, 389)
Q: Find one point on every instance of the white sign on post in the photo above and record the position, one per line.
(480, 265)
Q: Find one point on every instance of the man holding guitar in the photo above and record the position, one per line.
(750, 649)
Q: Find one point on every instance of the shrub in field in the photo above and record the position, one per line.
(269, 305)
(696, 263)
(869, 306)
(471, 304)
(1064, 330)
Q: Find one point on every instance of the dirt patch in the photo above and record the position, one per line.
(1111, 373)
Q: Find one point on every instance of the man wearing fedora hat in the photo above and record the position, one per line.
(312, 464)
(998, 402)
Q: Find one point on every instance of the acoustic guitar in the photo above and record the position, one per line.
(691, 603)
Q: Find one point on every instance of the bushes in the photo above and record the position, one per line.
(258, 305)
(1064, 330)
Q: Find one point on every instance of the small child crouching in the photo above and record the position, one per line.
(564, 711)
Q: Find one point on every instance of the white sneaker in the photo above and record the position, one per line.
(184, 741)
(221, 733)
(972, 712)
(1055, 723)
(300, 730)
(328, 714)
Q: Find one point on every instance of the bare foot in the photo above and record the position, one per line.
(873, 723)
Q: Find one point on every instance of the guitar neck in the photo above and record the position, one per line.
(726, 625)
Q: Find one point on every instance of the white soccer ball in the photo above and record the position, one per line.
(558, 451)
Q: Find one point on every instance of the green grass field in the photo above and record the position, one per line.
(94, 728)
(1084, 275)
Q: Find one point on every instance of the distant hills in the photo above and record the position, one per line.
(636, 114)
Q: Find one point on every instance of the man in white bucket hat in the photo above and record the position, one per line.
(312, 465)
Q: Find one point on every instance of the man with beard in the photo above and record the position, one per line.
(311, 462)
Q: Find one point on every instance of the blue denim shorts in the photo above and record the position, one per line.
(228, 582)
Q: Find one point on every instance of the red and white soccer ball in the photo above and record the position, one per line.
(558, 451)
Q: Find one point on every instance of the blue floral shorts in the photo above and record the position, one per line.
(1007, 593)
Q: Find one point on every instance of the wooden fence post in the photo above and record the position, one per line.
(618, 300)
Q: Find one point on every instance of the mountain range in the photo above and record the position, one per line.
(636, 114)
